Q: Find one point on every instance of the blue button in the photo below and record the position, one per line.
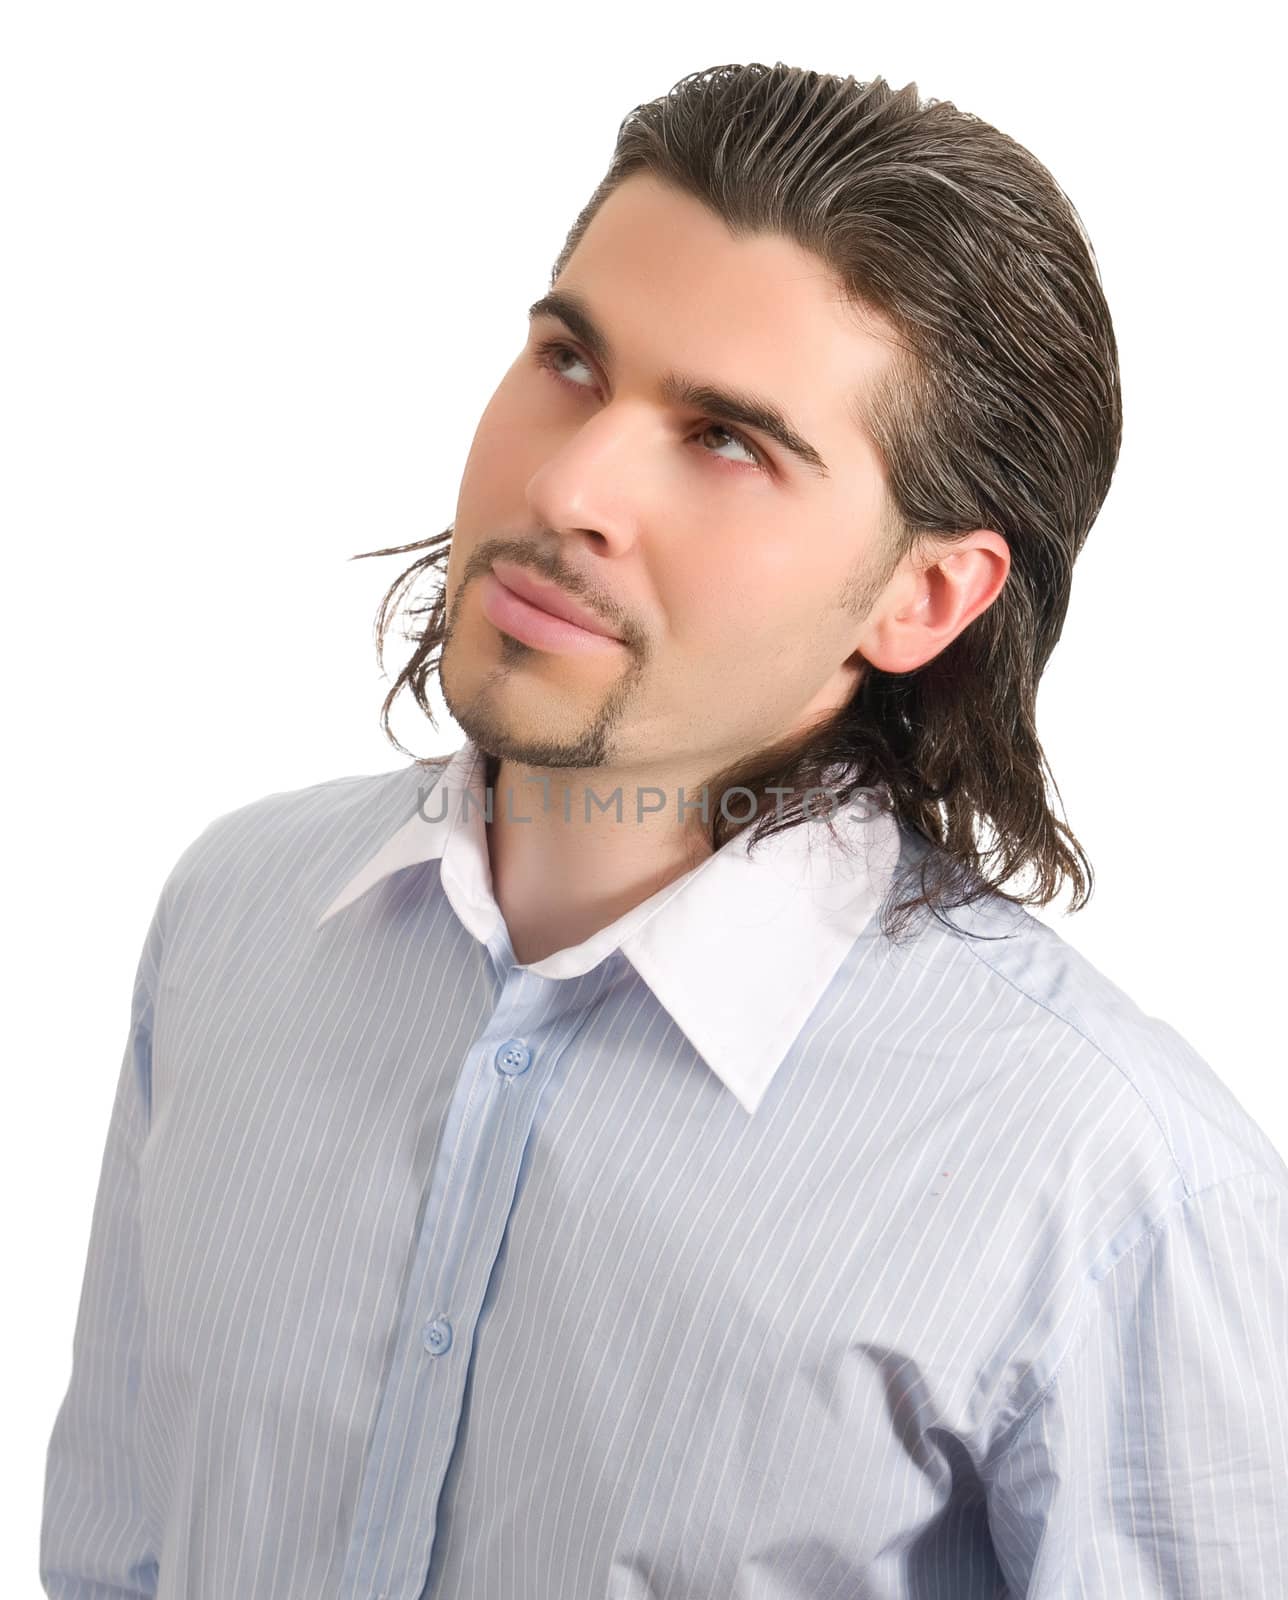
(437, 1336)
(513, 1057)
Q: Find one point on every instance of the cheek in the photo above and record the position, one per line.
(496, 455)
(489, 459)
(746, 586)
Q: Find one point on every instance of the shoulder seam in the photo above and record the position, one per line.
(1013, 1428)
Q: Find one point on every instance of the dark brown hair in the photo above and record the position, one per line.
(1001, 409)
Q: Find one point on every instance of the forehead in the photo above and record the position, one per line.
(671, 286)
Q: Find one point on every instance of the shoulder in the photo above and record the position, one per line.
(290, 843)
(1076, 1131)
(1169, 1098)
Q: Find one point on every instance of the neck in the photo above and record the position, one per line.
(570, 852)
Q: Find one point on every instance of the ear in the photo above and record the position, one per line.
(926, 605)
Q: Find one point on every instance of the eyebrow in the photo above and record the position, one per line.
(720, 403)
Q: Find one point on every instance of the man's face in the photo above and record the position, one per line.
(724, 564)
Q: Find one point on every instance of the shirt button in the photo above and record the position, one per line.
(437, 1336)
(513, 1057)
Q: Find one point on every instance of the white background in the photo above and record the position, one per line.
(264, 266)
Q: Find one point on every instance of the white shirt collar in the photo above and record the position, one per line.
(739, 950)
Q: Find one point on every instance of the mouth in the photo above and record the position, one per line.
(518, 606)
(547, 597)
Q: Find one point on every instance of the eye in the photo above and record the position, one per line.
(548, 354)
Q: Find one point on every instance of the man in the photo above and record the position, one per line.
(540, 1172)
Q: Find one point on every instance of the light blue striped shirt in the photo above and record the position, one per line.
(734, 1252)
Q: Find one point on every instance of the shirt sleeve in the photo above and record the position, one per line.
(1155, 1462)
(94, 1544)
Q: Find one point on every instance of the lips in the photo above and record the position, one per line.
(548, 598)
